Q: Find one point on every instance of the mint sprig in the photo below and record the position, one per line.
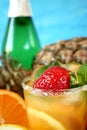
(74, 81)
(80, 78)
(82, 74)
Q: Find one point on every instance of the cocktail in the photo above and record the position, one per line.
(55, 109)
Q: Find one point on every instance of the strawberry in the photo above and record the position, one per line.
(53, 79)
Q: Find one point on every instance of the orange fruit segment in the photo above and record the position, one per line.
(12, 109)
(12, 127)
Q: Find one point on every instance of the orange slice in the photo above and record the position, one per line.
(12, 127)
(12, 109)
(42, 121)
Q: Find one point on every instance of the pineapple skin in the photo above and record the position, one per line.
(65, 51)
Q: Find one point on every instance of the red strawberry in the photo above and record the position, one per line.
(53, 79)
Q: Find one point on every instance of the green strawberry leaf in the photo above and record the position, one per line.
(82, 74)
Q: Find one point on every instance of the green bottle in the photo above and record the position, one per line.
(21, 41)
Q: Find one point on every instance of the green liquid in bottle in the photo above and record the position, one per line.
(21, 41)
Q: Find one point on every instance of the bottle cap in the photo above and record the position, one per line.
(18, 8)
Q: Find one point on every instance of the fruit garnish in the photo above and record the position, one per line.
(53, 79)
(45, 120)
(77, 73)
(12, 109)
(12, 127)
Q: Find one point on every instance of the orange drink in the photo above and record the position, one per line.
(66, 110)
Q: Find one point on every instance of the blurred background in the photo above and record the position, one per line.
(54, 19)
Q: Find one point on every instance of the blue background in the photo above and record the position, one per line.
(54, 19)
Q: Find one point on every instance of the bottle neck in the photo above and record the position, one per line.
(20, 20)
(18, 8)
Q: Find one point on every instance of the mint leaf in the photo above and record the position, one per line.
(42, 69)
(54, 63)
(82, 74)
(72, 78)
(39, 72)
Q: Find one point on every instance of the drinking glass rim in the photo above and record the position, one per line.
(47, 93)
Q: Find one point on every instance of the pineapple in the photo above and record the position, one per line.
(70, 53)
(11, 76)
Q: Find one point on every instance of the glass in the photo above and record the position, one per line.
(64, 111)
(21, 41)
